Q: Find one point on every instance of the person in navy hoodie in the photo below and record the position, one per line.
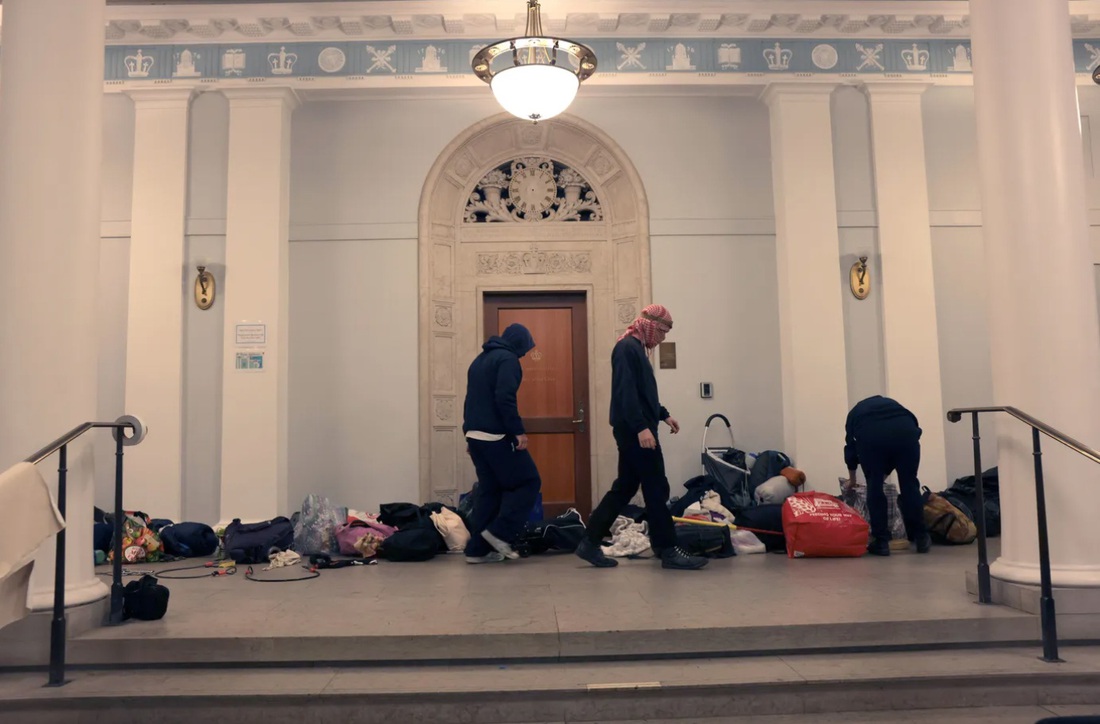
(881, 436)
(508, 482)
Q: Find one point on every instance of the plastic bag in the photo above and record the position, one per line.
(817, 525)
(315, 531)
(856, 497)
(746, 542)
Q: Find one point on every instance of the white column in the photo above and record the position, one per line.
(51, 126)
(254, 403)
(1042, 296)
(811, 316)
(910, 333)
(158, 290)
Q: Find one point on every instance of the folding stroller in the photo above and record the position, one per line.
(727, 465)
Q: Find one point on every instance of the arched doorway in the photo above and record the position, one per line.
(511, 206)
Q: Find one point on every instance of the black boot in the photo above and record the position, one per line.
(593, 553)
(878, 547)
(677, 558)
(924, 543)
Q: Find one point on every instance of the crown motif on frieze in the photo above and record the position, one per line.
(138, 65)
(778, 57)
(282, 63)
(915, 58)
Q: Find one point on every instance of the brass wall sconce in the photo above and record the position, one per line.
(205, 289)
(859, 279)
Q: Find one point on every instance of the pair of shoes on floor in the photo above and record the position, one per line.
(878, 547)
(502, 547)
(678, 559)
(490, 557)
(593, 553)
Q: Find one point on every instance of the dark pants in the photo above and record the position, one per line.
(638, 467)
(889, 448)
(508, 485)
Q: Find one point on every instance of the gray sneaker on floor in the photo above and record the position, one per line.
(504, 548)
(678, 559)
(593, 553)
(490, 557)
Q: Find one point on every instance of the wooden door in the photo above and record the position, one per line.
(553, 399)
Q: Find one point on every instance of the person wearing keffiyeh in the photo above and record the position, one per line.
(636, 412)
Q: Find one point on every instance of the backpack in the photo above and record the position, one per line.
(947, 524)
(253, 542)
(144, 599)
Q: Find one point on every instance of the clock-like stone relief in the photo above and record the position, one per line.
(533, 189)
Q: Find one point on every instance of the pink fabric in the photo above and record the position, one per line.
(649, 325)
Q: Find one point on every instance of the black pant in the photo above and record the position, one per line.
(637, 467)
(888, 448)
(508, 485)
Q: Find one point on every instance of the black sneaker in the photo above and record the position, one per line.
(678, 559)
(593, 553)
(924, 543)
(878, 547)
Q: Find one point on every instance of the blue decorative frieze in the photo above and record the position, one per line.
(641, 55)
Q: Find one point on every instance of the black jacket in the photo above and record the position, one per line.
(493, 381)
(873, 415)
(634, 402)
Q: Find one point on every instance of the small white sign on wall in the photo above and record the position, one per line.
(251, 334)
(251, 361)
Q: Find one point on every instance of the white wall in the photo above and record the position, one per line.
(353, 372)
(720, 291)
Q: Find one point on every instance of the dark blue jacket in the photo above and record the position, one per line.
(634, 402)
(493, 381)
(874, 414)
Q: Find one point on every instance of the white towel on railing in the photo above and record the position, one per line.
(22, 489)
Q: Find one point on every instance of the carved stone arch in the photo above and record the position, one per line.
(606, 256)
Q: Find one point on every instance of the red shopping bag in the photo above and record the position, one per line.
(817, 525)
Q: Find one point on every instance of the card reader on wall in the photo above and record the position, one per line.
(706, 390)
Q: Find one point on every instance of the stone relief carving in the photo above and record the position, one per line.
(533, 189)
(443, 316)
(534, 262)
(626, 312)
(444, 409)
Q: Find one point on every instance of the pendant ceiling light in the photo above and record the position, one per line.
(543, 74)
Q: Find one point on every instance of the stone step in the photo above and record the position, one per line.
(862, 685)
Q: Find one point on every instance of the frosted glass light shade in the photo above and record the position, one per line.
(535, 92)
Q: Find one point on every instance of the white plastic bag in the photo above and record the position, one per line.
(746, 542)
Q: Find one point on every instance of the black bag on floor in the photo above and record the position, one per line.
(766, 522)
(144, 599)
(563, 533)
(190, 540)
(399, 515)
(253, 542)
(711, 541)
(412, 544)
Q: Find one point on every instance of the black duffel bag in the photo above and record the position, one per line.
(254, 542)
(709, 541)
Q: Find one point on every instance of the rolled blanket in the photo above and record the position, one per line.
(794, 476)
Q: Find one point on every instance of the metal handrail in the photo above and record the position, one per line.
(61, 447)
(1046, 589)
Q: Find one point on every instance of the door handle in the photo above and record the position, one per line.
(580, 416)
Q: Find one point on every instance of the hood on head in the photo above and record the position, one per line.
(515, 337)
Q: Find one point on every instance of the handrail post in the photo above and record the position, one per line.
(116, 538)
(1046, 593)
(984, 588)
(57, 624)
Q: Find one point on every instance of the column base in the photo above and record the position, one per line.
(1082, 576)
(76, 594)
